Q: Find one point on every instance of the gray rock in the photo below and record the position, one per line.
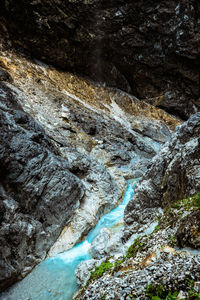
(83, 271)
(188, 233)
(171, 270)
(38, 194)
(55, 178)
(107, 243)
(154, 54)
(172, 175)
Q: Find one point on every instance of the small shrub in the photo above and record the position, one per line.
(159, 292)
(155, 292)
(135, 247)
(172, 239)
(187, 203)
(196, 199)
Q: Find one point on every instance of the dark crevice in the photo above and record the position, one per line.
(174, 112)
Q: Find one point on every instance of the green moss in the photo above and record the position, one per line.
(22, 125)
(160, 292)
(172, 240)
(188, 203)
(138, 245)
(99, 271)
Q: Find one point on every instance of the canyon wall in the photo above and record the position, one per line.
(148, 48)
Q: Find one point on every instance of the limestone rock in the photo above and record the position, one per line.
(171, 271)
(172, 175)
(106, 243)
(148, 47)
(83, 270)
(38, 194)
(64, 157)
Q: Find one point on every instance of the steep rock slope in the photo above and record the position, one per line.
(149, 47)
(38, 194)
(76, 153)
(172, 175)
(156, 263)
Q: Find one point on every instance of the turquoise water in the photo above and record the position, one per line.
(54, 278)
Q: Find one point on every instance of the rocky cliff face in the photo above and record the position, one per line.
(152, 267)
(38, 193)
(67, 147)
(172, 175)
(148, 47)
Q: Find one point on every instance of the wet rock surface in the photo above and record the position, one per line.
(172, 175)
(148, 47)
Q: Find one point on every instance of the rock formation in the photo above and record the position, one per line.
(68, 145)
(38, 193)
(151, 266)
(172, 175)
(148, 47)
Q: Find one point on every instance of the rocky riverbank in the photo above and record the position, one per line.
(156, 264)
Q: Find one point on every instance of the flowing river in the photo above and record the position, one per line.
(54, 278)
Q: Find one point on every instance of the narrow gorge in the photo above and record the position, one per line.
(99, 150)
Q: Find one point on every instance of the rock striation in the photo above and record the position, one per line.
(67, 146)
(172, 175)
(38, 193)
(148, 47)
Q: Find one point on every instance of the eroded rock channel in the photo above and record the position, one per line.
(71, 150)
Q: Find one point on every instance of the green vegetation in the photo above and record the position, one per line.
(172, 239)
(22, 125)
(160, 292)
(188, 203)
(136, 246)
(99, 271)
(117, 265)
(192, 294)
(157, 228)
(155, 291)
